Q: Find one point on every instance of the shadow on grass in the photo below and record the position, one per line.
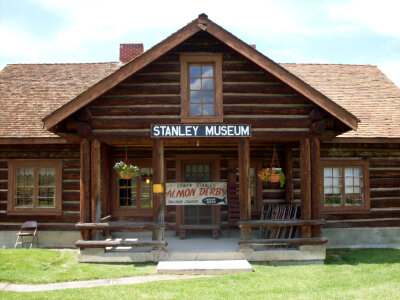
(362, 256)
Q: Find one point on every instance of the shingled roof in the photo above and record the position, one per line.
(362, 90)
(29, 92)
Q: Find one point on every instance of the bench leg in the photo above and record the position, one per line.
(182, 234)
(215, 233)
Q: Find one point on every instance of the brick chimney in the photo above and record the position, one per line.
(129, 50)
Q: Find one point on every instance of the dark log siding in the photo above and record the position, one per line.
(384, 160)
(152, 96)
(70, 185)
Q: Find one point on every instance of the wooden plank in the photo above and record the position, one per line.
(158, 178)
(136, 111)
(274, 88)
(238, 110)
(85, 184)
(144, 90)
(138, 100)
(316, 185)
(121, 225)
(244, 184)
(264, 99)
(288, 163)
(305, 181)
(279, 223)
(293, 241)
(104, 244)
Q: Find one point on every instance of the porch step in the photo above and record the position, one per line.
(204, 267)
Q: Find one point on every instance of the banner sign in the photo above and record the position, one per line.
(196, 193)
(200, 131)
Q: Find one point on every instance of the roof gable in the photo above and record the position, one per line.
(201, 23)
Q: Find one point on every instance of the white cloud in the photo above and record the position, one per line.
(380, 16)
(391, 70)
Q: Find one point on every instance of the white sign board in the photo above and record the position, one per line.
(196, 193)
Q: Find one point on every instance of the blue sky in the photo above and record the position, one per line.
(348, 32)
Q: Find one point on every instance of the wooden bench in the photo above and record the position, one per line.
(113, 243)
(293, 241)
(121, 226)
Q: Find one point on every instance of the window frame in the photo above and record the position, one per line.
(343, 209)
(196, 58)
(11, 202)
(126, 210)
(257, 164)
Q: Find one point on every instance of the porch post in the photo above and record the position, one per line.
(244, 185)
(305, 183)
(105, 180)
(288, 162)
(158, 178)
(316, 185)
(85, 186)
(95, 181)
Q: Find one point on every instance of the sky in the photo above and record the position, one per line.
(302, 31)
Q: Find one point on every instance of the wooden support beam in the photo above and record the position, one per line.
(85, 185)
(316, 183)
(105, 180)
(305, 183)
(317, 127)
(244, 185)
(95, 181)
(288, 162)
(158, 178)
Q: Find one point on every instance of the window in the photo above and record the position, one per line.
(346, 186)
(201, 88)
(255, 183)
(135, 194)
(34, 187)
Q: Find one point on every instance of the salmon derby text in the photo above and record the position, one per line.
(200, 130)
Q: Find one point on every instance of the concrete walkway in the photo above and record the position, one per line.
(27, 288)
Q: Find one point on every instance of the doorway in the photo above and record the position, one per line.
(198, 168)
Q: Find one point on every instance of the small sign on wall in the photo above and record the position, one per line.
(196, 193)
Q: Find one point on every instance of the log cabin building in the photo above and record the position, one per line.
(334, 128)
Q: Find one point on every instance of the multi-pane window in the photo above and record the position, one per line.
(202, 89)
(345, 185)
(34, 186)
(137, 192)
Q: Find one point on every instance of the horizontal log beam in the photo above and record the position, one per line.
(279, 223)
(121, 225)
(103, 244)
(294, 241)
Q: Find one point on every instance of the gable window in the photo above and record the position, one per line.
(136, 194)
(34, 187)
(201, 88)
(346, 186)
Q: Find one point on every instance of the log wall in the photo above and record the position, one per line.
(384, 161)
(69, 154)
(250, 96)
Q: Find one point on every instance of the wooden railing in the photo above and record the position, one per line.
(88, 229)
(279, 224)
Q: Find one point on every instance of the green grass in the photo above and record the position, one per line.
(46, 266)
(347, 274)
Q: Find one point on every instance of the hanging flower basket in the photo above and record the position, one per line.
(272, 175)
(126, 171)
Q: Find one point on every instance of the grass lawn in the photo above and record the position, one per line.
(347, 274)
(46, 266)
